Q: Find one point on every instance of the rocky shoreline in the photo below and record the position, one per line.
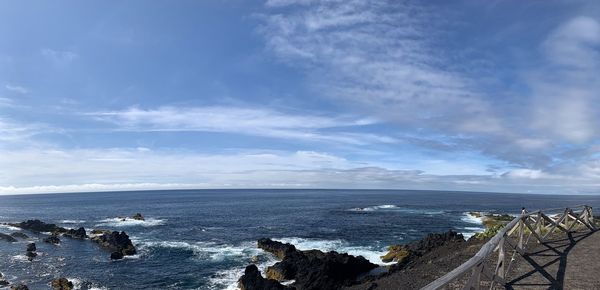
(117, 243)
(313, 269)
(414, 264)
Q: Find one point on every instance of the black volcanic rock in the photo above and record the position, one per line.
(253, 280)
(276, 248)
(19, 235)
(52, 240)
(138, 216)
(30, 255)
(116, 256)
(3, 282)
(427, 244)
(76, 234)
(31, 247)
(39, 226)
(61, 284)
(8, 238)
(313, 269)
(117, 242)
(19, 287)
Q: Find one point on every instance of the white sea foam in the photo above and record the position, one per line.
(227, 279)
(206, 250)
(469, 231)
(374, 208)
(9, 227)
(129, 222)
(469, 218)
(72, 221)
(369, 253)
(395, 208)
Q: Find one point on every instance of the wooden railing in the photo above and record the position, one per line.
(515, 236)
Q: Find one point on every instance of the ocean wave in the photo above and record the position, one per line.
(469, 218)
(370, 253)
(469, 231)
(227, 279)
(9, 227)
(129, 222)
(374, 208)
(206, 250)
(79, 284)
(395, 208)
(72, 221)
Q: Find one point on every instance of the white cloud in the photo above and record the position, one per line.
(246, 121)
(16, 89)
(380, 55)
(59, 57)
(572, 44)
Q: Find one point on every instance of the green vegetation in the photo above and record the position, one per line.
(396, 253)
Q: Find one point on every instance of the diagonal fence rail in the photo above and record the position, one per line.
(537, 226)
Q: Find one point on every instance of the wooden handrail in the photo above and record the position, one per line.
(520, 223)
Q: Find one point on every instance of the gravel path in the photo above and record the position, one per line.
(570, 262)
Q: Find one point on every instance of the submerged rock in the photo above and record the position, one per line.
(8, 238)
(138, 216)
(117, 242)
(52, 240)
(253, 280)
(314, 269)
(19, 235)
(61, 284)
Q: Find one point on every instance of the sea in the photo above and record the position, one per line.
(203, 239)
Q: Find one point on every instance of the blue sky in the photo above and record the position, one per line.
(448, 95)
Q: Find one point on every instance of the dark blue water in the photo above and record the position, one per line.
(203, 239)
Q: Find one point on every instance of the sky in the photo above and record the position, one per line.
(470, 95)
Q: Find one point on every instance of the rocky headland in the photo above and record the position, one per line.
(416, 264)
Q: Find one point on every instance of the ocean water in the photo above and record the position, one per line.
(203, 239)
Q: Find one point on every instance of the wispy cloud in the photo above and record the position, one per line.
(17, 89)
(246, 121)
(59, 57)
(47, 170)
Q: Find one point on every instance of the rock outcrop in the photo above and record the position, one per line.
(138, 216)
(117, 242)
(76, 234)
(311, 269)
(253, 280)
(31, 251)
(3, 281)
(19, 287)
(31, 247)
(61, 284)
(39, 226)
(19, 235)
(52, 240)
(7, 238)
(403, 254)
(280, 250)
